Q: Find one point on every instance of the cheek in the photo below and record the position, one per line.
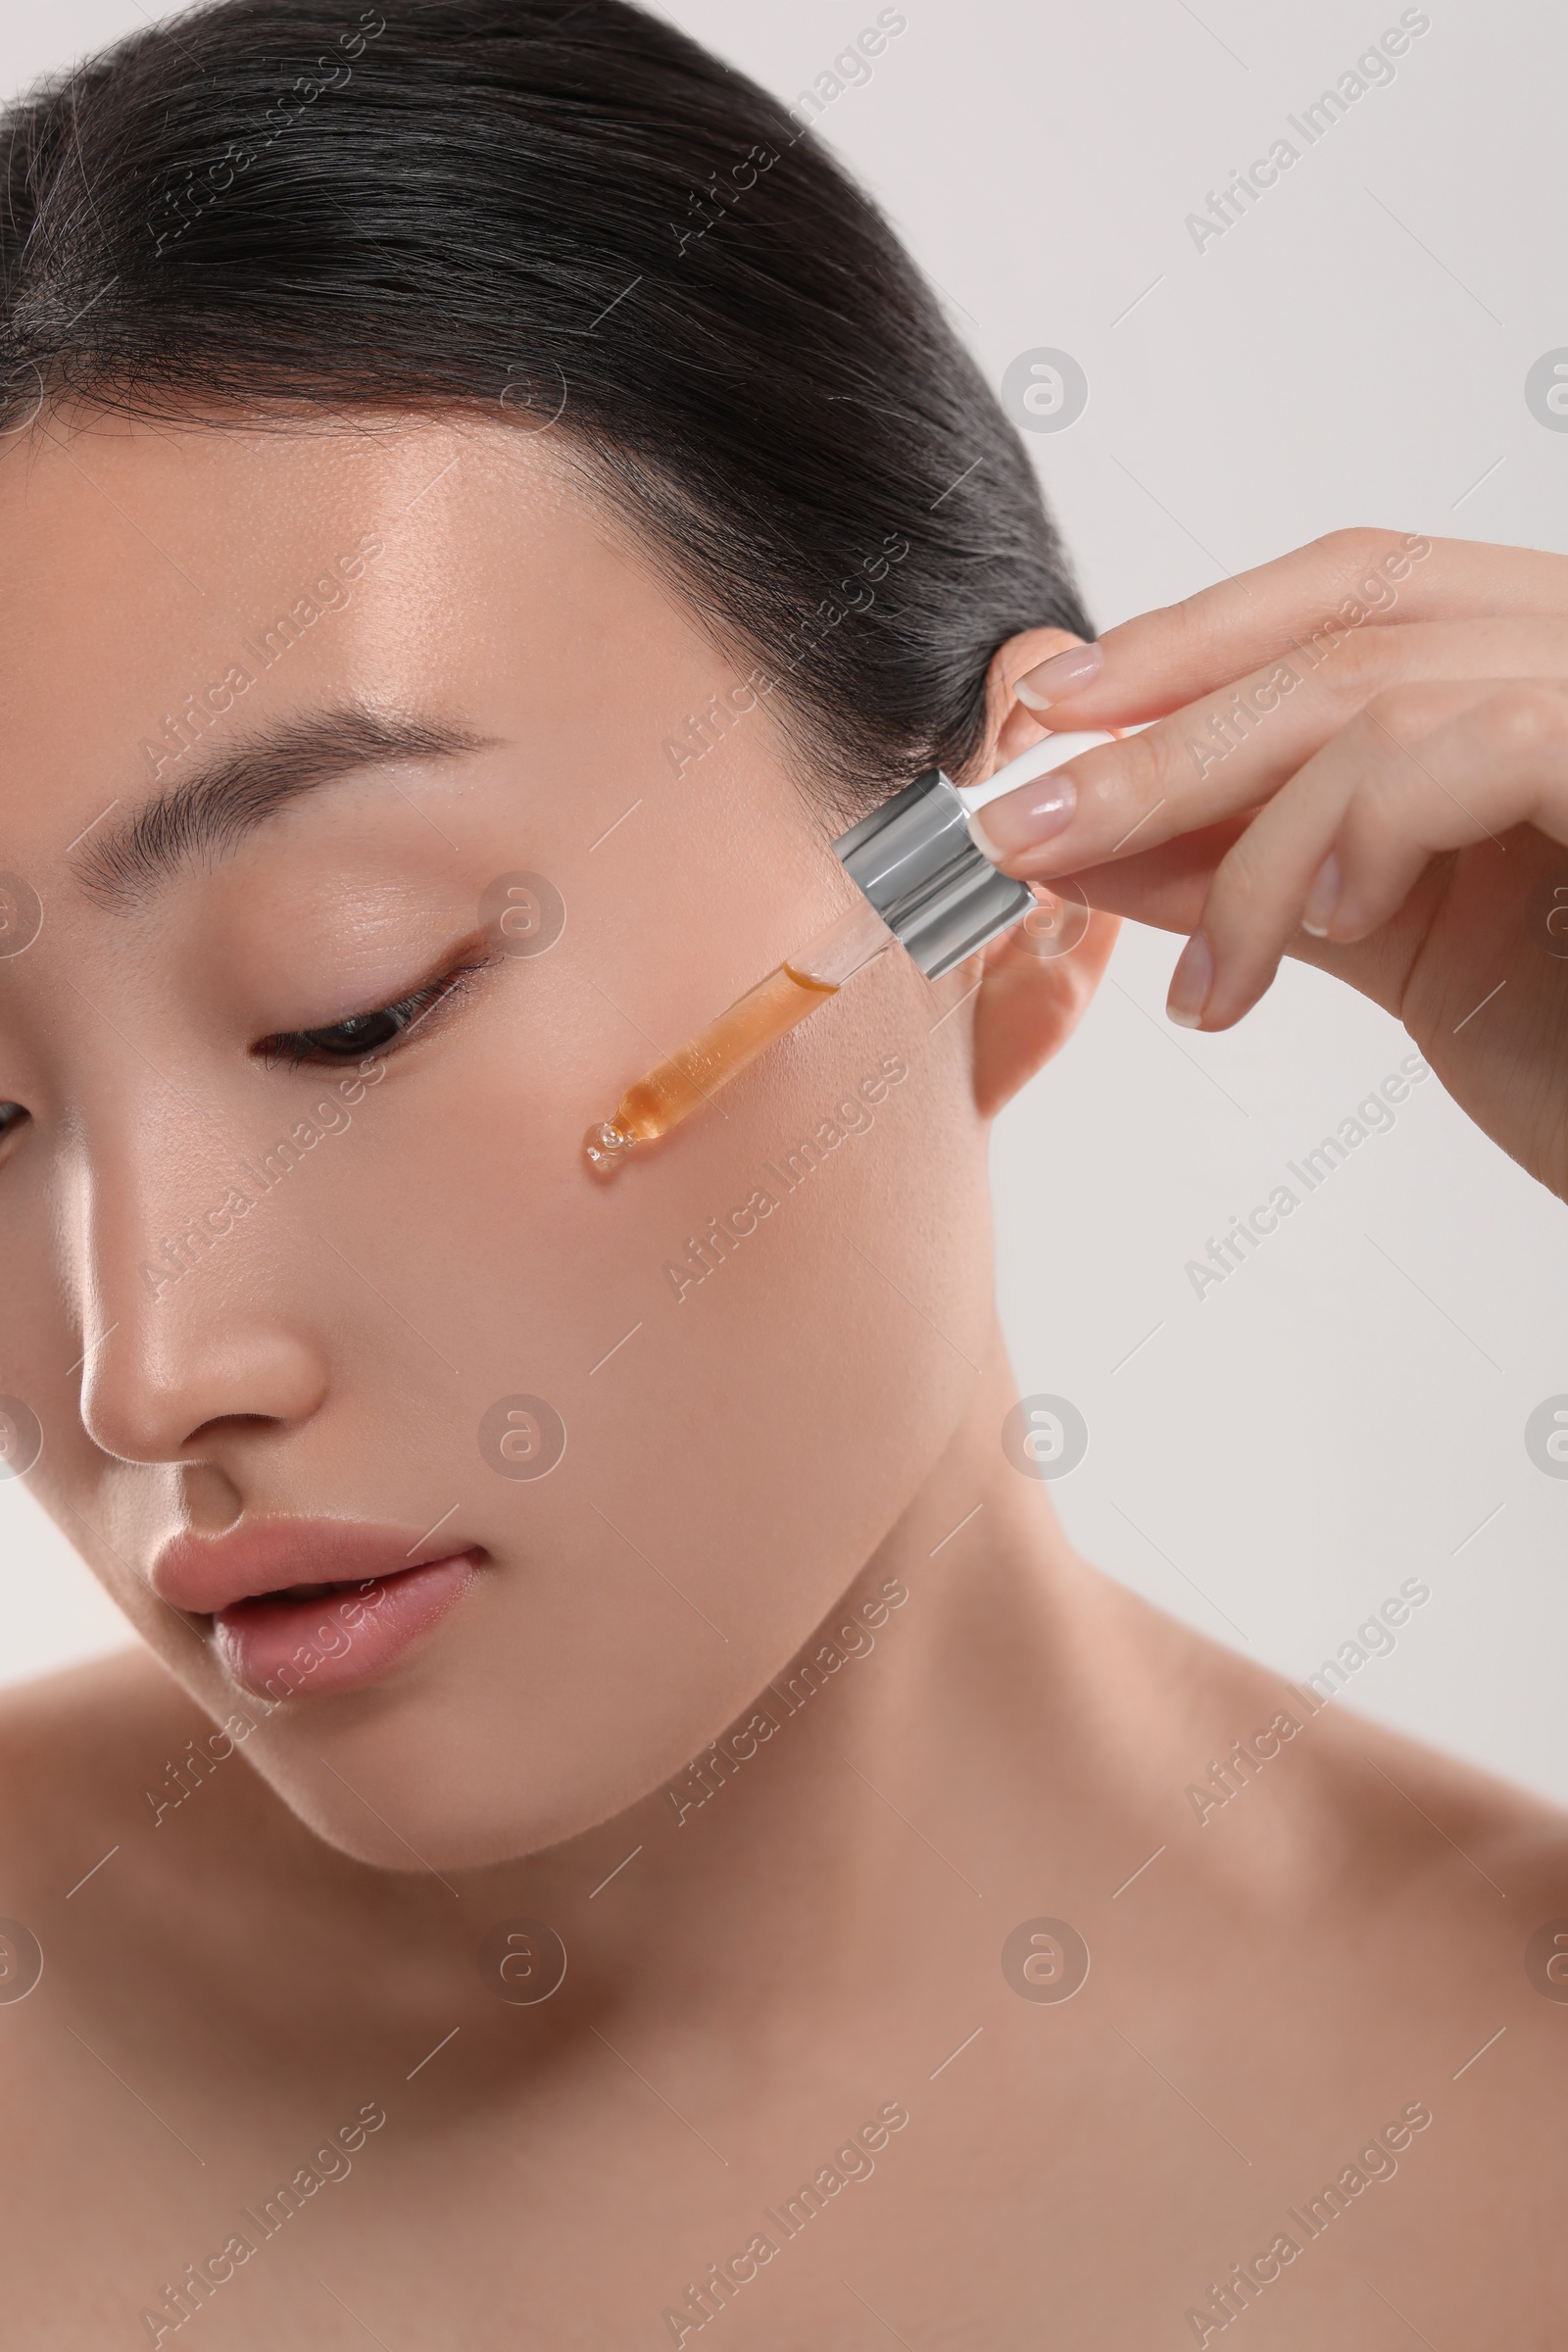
(800, 1347)
(737, 1440)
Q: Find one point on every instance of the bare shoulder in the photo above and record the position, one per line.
(1290, 1784)
(1411, 1809)
(78, 1750)
(78, 1713)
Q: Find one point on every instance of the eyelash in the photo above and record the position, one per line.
(410, 1012)
(293, 1048)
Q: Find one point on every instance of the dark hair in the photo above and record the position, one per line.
(273, 206)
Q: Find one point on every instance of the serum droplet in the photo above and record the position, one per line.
(606, 1147)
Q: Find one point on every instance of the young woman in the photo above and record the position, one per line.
(627, 1818)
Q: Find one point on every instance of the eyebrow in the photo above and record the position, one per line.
(208, 814)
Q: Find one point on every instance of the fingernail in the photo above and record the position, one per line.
(1023, 819)
(1061, 675)
(1190, 982)
(1323, 898)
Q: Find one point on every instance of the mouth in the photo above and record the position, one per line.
(312, 1640)
(310, 1637)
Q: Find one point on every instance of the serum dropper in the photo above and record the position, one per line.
(926, 885)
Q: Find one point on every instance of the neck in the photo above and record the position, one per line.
(912, 1763)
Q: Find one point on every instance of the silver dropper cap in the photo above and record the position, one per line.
(915, 860)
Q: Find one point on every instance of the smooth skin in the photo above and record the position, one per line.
(805, 1448)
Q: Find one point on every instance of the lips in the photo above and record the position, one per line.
(303, 1608)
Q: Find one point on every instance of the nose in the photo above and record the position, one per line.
(192, 1321)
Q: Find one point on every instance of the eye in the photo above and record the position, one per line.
(385, 1030)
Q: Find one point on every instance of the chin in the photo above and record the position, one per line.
(422, 1787)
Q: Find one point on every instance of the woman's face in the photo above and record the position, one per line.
(244, 1289)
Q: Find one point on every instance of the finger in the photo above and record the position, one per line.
(1163, 887)
(1167, 889)
(1501, 761)
(1234, 749)
(1348, 840)
(1160, 659)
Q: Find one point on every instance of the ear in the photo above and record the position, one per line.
(1010, 727)
(1028, 1005)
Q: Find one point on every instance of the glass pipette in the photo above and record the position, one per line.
(926, 885)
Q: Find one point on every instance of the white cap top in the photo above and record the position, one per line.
(1052, 750)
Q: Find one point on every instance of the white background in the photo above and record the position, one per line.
(1345, 1410)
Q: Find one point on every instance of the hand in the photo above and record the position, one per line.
(1364, 766)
